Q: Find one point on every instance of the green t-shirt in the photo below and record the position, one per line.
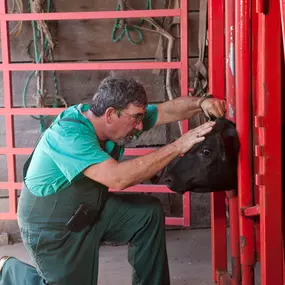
(67, 148)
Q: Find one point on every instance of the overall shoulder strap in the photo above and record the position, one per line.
(71, 120)
(115, 153)
(27, 163)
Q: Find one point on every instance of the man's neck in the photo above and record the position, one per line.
(98, 125)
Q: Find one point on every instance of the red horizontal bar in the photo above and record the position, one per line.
(173, 221)
(11, 185)
(90, 66)
(31, 111)
(27, 151)
(8, 216)
(169, 221)
(147, 188)
(91, 15)
(252, 211)
(138, 151)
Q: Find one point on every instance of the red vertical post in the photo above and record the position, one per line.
(244, 119)
(268, 122)
(283, 140)
(231, 114)
(234, 240)
(282, 10)
(216, 86)
(7, 105)
(255, 98)
(230, 58)
(184, 90)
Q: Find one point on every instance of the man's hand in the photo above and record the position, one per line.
(189, 139)
(214, 107)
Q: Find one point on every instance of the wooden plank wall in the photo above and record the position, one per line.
(90, 40)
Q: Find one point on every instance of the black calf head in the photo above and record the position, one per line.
(210, 165)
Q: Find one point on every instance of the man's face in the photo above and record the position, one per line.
(126, 123)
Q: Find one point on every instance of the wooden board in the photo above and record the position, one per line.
(91, 40)
(3, 167)
(108, 5)
(2, 132)
(79, 86)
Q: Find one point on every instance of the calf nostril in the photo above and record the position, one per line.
(168, 181)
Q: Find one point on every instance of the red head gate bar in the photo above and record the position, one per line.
(250, 70)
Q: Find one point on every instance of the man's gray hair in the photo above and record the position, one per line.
(117, 92)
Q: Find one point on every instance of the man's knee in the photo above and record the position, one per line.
(155, 209)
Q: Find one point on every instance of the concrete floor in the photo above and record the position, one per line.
(189, 253)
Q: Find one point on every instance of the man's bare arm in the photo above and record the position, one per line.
(178, 109)
(125, 174)
(120, 175)
(187, 107)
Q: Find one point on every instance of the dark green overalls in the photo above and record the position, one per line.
(65, 257)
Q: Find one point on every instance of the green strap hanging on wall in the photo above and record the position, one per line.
(127, 29)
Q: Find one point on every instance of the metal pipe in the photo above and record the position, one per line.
(244, 119)
(231, 114)
(61, 16)
(89, 66)
(282, 10)
(184, 91)
(9, 122)
(234, 240)
(268, 122)
(255, 98)
(216, 87)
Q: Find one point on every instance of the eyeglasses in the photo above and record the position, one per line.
(137, 117)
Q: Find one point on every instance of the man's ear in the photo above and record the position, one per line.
(110, 115)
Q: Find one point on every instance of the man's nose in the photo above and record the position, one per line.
(139, 126)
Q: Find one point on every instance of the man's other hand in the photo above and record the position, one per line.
(213, 107)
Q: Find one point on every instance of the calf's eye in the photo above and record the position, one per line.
(206, 152)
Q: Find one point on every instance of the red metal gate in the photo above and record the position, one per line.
(244, 64)
(9, 111)
(253, 90)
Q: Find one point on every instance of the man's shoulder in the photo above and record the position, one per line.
(72, 119)
(70, 112)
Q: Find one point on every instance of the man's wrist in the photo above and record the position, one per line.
(203, 98)
(176, 147)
